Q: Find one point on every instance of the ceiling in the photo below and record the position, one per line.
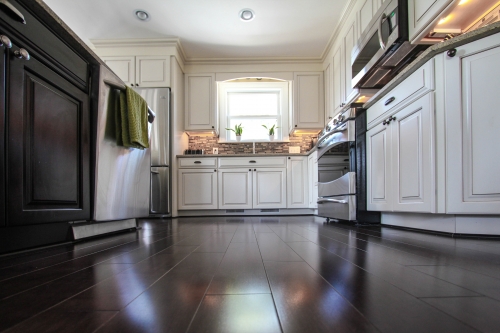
(212, 29)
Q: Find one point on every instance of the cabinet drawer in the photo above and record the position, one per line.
(420, 81)
(329, 160)
(232, 162)
(203, 162)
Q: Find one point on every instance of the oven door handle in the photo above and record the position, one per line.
(322, 200)
(379, 32)
(320, 141)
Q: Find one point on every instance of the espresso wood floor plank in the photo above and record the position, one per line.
(230, 313)
(287, 235)
(480, 313)
(218, 242)
(386, 306)
(170, 304)
(307, 303)
(480, 283)
(25, 305)
(60, 321)
(272, 248)
(240, 272)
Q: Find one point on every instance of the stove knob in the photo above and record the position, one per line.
(335, 121)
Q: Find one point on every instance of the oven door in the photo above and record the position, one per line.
(344, 133)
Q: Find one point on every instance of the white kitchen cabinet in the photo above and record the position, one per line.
(472, 78)
(309, 103)
(400, 160)
(338, 81)
(349, 42)
(235, 188)
(269, 188)
(312, 169)
(297, 182)
(365, 14)
(329, 110)
(421, 14)
(197, 189)
(200, 102)
(141, 71)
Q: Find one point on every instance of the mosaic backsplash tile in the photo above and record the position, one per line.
(303, 141)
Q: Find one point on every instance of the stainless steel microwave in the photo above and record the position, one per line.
(383, 49)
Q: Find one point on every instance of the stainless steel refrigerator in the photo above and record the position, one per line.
(158, 100)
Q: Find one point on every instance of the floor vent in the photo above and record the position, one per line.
(269, 210)
(235, 210)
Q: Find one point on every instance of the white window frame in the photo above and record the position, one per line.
(226, 87)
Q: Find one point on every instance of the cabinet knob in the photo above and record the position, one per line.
(213, 127)
(22, 54)
(137, 84)
(215, 170)
(451, 53)
(249, 169)
(289, 157)
(254, 169)
(295, 125)
(132, 84)
(5, 41)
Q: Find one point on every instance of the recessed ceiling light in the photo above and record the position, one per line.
(247, 15)
(142, 15)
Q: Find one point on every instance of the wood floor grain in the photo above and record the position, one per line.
(254, 274)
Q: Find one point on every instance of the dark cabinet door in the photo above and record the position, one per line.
(3, 62)
(48, 146)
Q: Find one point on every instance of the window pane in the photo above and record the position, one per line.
(253, 130)
(252, 103)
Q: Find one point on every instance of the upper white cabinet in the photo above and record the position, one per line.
(297, 182)
(309, 101)
(200, 102)
(338, 81)
(472, 78)
(141, 71)
(400, 159)
(349, 42)
(421, 14)
(329, 110)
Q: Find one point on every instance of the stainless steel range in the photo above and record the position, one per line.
(342, 168)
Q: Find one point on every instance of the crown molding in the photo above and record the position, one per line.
(343, 18)
(253, 60)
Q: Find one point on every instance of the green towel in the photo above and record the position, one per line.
(132, 120)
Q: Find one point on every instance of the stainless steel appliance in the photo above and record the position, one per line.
(158, 100)
(121, 174)
(342, 176)
(383, 49)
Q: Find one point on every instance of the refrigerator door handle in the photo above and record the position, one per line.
(155, 172)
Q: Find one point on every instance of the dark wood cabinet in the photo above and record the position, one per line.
(45, 130)
(48, 145)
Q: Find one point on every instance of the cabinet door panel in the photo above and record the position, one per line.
(421, 13)
(152, 71)
(269, 188)
(309, 101)
(48, 145)
(472, 136)
(297, 182)
(200, 105)
(235, 189)
(378, 168)
(349, 42)
(197, 189)
(413, 157)
(365, 14)
(124, 67)
(338, 81)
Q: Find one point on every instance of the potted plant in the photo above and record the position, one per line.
(238, 130)
(270, 131)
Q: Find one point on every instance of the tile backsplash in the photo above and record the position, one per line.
(207, 143)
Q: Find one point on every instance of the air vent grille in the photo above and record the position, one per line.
(235, 210)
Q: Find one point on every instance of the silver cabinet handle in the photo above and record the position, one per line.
(5, 41)
(380, 40)
(322, 200)
(12, 11)
(22, 54)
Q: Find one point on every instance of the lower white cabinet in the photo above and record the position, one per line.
(242, 188)
(312, 169)
(297, 182)
(235, 188)
(197, 189)
(269, 188)
(400, 160)
(473, 128)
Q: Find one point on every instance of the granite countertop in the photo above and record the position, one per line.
(244, 155)
(431, 52)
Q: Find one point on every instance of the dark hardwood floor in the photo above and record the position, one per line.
(255, 274)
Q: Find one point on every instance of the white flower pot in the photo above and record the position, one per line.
(271, 137)
(238, 138)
